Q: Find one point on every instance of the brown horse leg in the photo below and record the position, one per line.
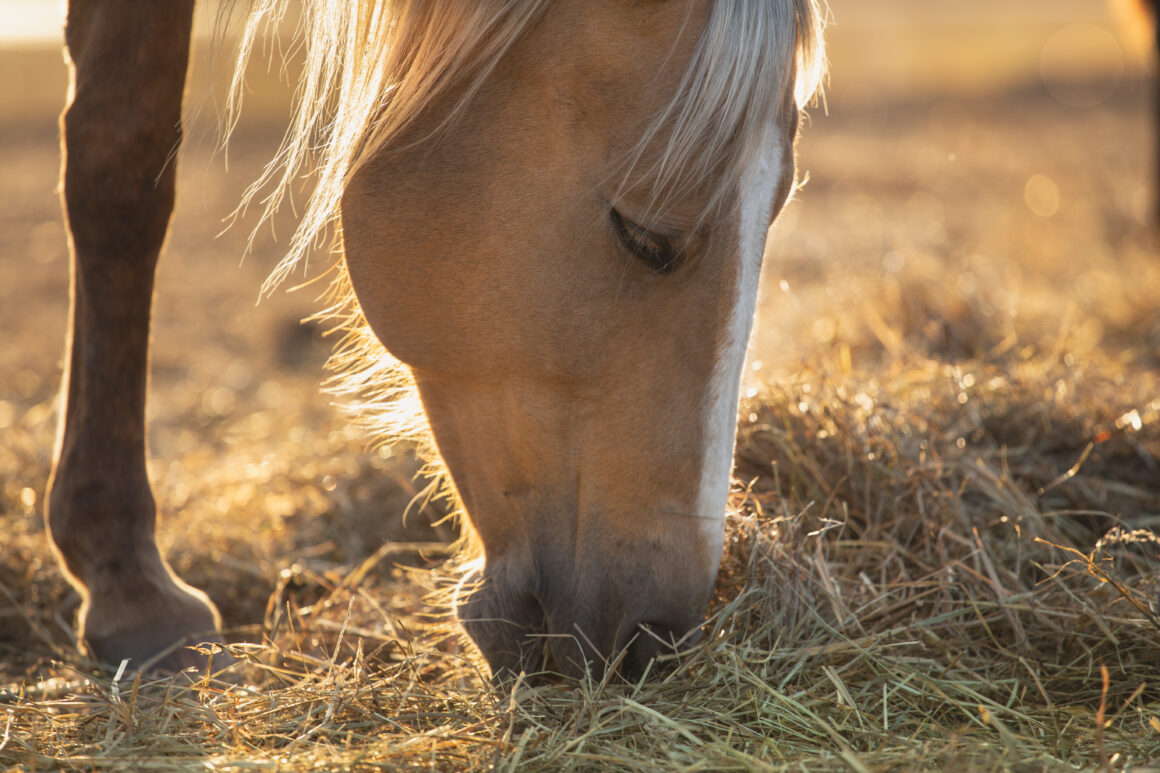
(121, 130)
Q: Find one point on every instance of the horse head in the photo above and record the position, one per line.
(563, 246)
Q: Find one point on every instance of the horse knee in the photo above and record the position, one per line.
(118, 178)
(122, 126)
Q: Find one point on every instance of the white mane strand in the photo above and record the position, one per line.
(751, 56)
(369, 69)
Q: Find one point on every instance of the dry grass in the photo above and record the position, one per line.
(936, 566)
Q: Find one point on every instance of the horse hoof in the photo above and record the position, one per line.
(148, 651)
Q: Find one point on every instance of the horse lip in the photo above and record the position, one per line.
(521, 626)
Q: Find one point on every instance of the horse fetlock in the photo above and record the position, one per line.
(81, 508)
(134, 606)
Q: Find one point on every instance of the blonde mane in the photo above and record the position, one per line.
(371, 67)
(750, 54)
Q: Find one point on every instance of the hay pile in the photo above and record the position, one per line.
(931, 566)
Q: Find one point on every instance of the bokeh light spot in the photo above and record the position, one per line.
(1081, 65)
(1042, 195)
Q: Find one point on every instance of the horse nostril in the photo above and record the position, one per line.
(505, 620)
(651, 641)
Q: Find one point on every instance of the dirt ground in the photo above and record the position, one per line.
(977, 222)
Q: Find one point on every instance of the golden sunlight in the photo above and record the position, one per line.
(30, 21)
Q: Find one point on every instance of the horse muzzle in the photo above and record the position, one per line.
(575, 626)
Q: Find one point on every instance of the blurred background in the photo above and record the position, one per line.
(978, 186)
(966, 141)
(990, 144)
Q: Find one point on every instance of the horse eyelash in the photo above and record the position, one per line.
(654, 250)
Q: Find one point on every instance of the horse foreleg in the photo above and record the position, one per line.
(1155, 6)
(121, 130)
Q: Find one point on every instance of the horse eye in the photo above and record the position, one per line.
(652, 249)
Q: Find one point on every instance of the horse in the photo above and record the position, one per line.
(1136, 19)
(551, 218)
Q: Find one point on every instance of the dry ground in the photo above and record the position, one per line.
(953, 432)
